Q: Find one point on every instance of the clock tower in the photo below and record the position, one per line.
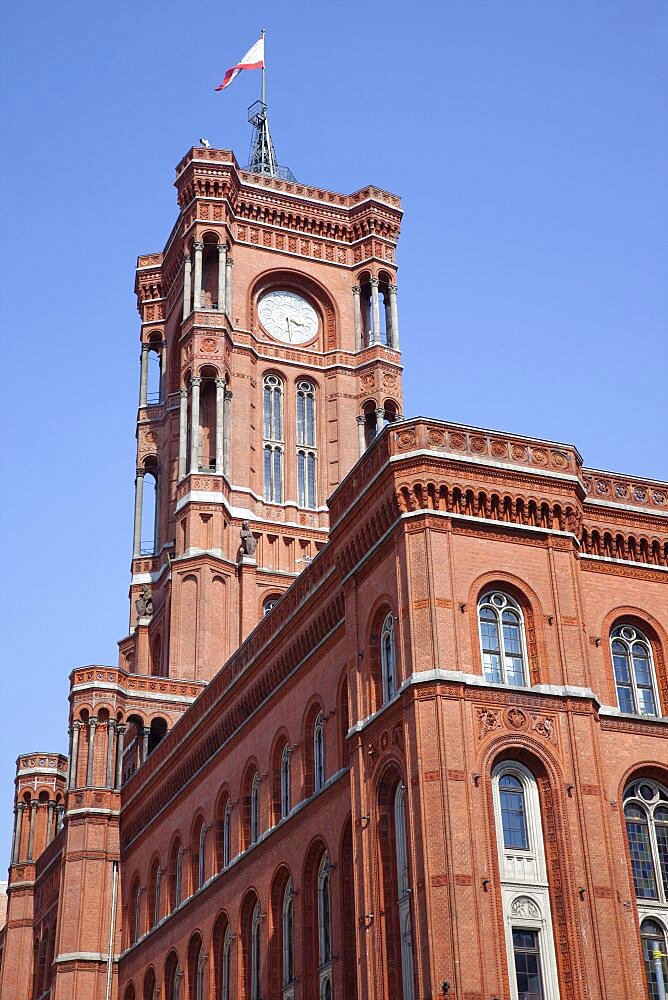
(269, 361)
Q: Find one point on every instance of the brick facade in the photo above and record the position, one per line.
(306, 803)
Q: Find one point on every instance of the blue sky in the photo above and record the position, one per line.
(528, 141)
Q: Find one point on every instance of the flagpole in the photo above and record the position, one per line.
(264, 88)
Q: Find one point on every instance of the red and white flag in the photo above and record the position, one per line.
(254, 59)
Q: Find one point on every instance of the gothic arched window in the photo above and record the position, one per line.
(319, 752)
(388, 658)
(513, 812)
(324, 913)
(255, 808)
(273, 438)
(646, 815)
(288, 947)
(199, 979)
(201, 859)
(634, 671)
(306, 446)
(502, 641)
(285, 781)
(225, 966)
(255, 954)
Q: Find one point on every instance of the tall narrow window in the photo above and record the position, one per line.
(634, 671)
(324, 913)
(178, 877)
(388, 658)
(255, 808)
(525, 892)
(285, 781)
(255, 954)
(201, 858)
(319, 752)
(653, 936)
(227, 831)
(513, 812)
(288, 935)
(502, 639)
(136, 915)
(225, 966)
(306, 445)
(403, 891)
(646, 814)
(273, 439)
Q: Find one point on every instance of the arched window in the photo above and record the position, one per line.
(135, 932)
(273, 438)
(634, 671)
(306, 445)
(154, 893)
(319, 752)
(255, 954)
(646, 814)
(175, 875)
(513, 812)
(285, 781)
(388, 658)
(150, 992)
(227, 833)
(288, 943)
(255, 808)
(269, 603)
(173, 977)
(223, 829)
(502, 639)
(199, 977)
(525, 891)
(403, 887)
(324, 913)
(653, 936)
(225, 966)
(201, 858)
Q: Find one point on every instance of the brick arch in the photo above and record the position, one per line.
(250, 901)
(149, 984)
(153, 869)
(172, 964)
(279, 882)
(281, 739)
(220, 928)
(314, 706)
(309, 917)
(249, 772)
(532, 611)
(195, 946)
(222, 799)
(303, 284)
(547, 772)
(658, 639)
(389, 778)
(199, 822)
(381, 608)
(654, 769)
(129, 992)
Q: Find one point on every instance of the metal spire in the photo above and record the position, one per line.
(262, 156)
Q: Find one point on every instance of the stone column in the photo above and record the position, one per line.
(361, 437)
(222, 275)
(31, 835)
(143, 375)
(51, 808)
(120, 732)
(92, 726)
(228, 287)
(357, 316)
(60, 812)
(195, 383)
(111, 733)
(375, 310)
(139, 504)
(227, 432)
(74, 756)
(18, 830)
(394, 318)
(380, 419)
(197, 292)
(183, 431)
(187, 286)
(220, 424)
(144, 745)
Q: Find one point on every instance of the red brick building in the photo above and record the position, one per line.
(390, 720)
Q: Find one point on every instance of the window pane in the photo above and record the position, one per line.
(267, 412)
(490, 635)
(661, 828)
(278, 478)
(513, 817)
(267, 474)
(514, 671)
(301, 497)
(527, 965)
(300, 419)
(492, 665)
(278, 416)
(625, 698)
(622, 669)
(310, 420)
(653, 939)
(310, 466)
(642, 866)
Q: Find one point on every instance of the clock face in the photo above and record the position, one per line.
(288, 317)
